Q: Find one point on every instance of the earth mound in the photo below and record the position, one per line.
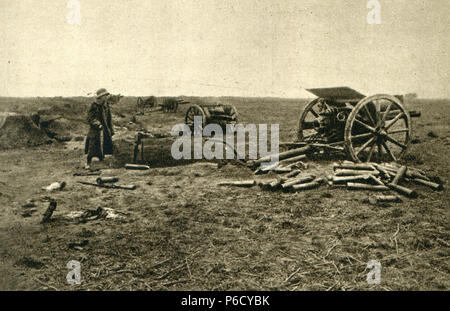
(18, 131)
(60, 128)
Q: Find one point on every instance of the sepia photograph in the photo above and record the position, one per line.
(212, 146)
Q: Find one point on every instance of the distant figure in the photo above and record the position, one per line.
(99, 119)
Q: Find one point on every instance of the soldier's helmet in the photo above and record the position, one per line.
(102, 92)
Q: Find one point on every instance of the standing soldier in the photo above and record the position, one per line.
(99, 119)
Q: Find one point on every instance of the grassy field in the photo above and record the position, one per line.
(179, 231)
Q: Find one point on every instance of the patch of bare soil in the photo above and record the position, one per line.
(178, 230)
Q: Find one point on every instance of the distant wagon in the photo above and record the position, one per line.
(143, 103)
(368, 128)
(212, 114)
(171, 104)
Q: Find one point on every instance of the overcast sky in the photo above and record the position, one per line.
(223, 47)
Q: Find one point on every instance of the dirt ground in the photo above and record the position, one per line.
(180, 231)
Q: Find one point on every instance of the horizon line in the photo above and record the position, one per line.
(199, 96)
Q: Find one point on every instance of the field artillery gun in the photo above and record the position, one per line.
(168, 104)
(142, 103)
(220, 114)
(368, 128)
(171, 104)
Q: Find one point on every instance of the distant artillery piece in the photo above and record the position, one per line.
(212, 114)
(142, 103)
(367, 127)
(168, 105)
(171, 104)
(114, 99)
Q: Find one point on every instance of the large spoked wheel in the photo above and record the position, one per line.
(195, 110)
(310, 121)
(379, 127)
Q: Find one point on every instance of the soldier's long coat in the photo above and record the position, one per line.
(99, 115)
